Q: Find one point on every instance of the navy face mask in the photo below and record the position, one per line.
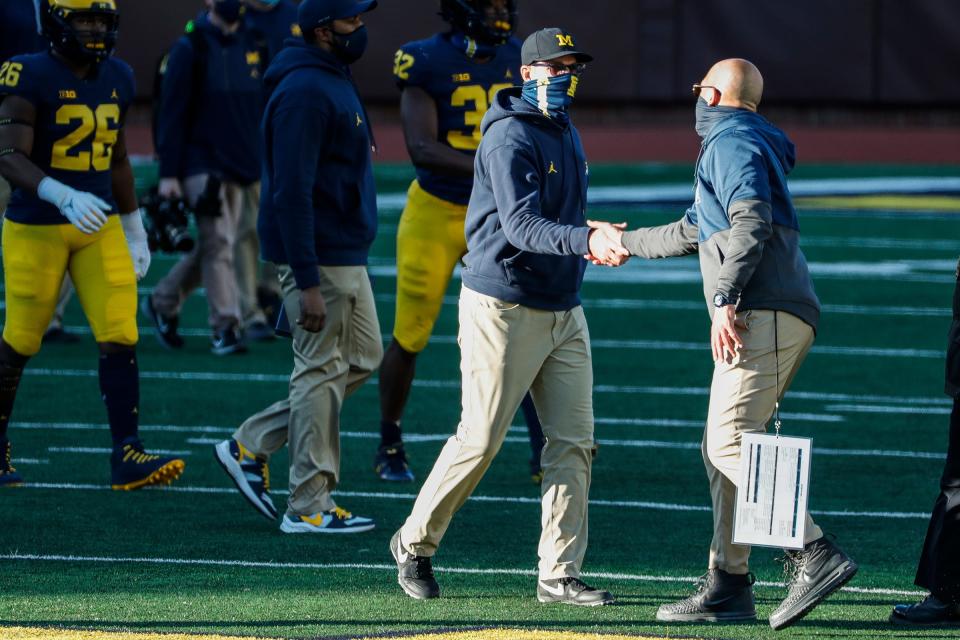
(708, 116)
(552, 95)
(229, 10)
(348, 47)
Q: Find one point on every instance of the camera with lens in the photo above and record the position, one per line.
(168, 221)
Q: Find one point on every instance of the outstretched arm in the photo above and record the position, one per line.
(678, 238)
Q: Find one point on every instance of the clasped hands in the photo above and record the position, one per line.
(606, 243)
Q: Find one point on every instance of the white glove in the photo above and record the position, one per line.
(84, 210)
(137, 241)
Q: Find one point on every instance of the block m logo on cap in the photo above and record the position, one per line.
(564, 40)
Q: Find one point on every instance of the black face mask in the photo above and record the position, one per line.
(708, 116)
(348, 47)
(229, 10)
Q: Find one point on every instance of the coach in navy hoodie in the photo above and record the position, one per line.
(521, 323)
(318, 217)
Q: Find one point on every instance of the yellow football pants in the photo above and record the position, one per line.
(35, 259)
(430, 241)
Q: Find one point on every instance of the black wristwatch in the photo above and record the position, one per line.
(720, 300)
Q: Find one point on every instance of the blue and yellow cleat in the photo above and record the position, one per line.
(390, 464)
(335, 520)
(9, 477)
(250, 473)
(133, 468)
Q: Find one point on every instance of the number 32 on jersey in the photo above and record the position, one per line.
(481, 99)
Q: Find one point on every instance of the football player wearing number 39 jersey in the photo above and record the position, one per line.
(62, 148)
(446, 83)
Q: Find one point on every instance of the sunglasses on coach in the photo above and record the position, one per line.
(697, 88)
(557, 69)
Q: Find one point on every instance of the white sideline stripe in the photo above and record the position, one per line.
(876, 408)
(385, 495)
(439, 437)
(657, 345)
(455, 384)
(32, 460)
(700, 306)
(389, 567)
(93, 426)
(162, 452)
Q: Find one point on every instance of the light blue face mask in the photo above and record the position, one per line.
(552, 95)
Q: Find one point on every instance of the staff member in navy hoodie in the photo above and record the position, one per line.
(200, 136)
(318, 217)
(521, 323)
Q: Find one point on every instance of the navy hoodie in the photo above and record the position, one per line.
(318, 204)
(216, 130)
(525, 221)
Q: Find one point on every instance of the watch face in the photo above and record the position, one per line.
(719, 300)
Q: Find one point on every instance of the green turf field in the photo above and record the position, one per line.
(198, 559)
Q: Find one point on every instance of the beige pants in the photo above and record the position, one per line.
(251, 273)
(742, 399)
(506, 349)
(212, 260)
(328, 366)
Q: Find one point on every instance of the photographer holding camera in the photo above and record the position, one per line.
(207, 128)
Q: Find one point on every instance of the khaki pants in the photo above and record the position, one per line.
(246, 260)
(506, 349)
(742, 399)
(328, 366)
(212, 260)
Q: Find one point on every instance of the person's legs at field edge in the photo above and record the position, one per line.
(247, 259)
(742, 398)
(564, 390)
(503, 346)
(210, 262)
(328, 367)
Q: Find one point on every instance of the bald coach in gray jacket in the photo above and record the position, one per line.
(765, 312)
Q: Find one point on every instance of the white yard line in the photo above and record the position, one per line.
(877, 408)
(439, 437)
(389, 495)
(498, 571)
(213, 376)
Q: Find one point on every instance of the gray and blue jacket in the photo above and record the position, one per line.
(742, 221)
(525, 220)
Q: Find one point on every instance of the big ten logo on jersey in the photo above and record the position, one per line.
(402, 61)
(10, 74)
(99, 126)
(480, 99)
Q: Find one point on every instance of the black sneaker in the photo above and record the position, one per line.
(9, 477)
(816, 571)
(390, 464)
(572, 591)
(226, 342)
(165, 328)
(414, 573)
(929, 612)
(720, 597)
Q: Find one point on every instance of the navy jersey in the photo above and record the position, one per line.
(19, 29)
(462, 90)
(76, 126)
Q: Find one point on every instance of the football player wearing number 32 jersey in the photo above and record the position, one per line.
(62, 148)
(446, 83)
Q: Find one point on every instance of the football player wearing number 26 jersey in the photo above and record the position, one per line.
(74, 210)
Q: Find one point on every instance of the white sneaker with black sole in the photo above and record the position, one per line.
(572, 591)
(335, 520)
(249, 473)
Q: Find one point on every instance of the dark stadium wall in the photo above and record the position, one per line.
(831, 52)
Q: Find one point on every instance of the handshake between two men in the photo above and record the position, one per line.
(606, 243)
